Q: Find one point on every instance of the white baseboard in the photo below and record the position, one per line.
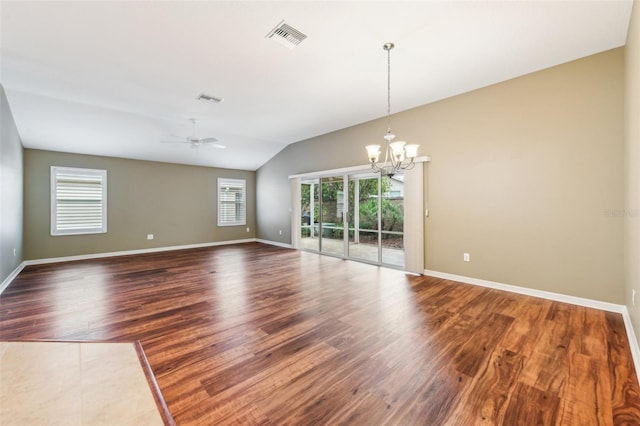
(557, 297)
(11, 277)
(274, 243)
(138, 251)
(633, 341)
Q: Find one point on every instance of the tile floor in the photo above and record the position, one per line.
(68, 383)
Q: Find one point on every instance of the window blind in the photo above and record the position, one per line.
(78, 201)
(231, 202)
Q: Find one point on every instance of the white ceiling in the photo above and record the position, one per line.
(114, 78)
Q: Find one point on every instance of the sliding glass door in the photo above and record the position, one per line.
(358, 215)
(310, 209)
(392, 220)
(364, 217)
(332, 210)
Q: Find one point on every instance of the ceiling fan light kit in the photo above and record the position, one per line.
(196, 142)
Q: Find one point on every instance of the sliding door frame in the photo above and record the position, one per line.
(414, 261)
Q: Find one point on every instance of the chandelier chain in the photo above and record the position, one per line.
(389, 90)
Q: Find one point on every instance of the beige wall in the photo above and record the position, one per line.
(632, 156)
(526, 176)
(11, 180)
(176, 203)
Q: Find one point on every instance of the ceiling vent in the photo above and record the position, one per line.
(286, 35)
(209, 98)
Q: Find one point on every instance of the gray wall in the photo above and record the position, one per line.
(11, 179)
(526, 175)
(176, 203)
(326, 152)
(632, 156)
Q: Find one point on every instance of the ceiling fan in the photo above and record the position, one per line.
(195, 141)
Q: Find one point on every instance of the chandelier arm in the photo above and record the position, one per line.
(375, 167)
(409, 166)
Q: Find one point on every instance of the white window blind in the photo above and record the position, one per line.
(231, 202)
(78, 201)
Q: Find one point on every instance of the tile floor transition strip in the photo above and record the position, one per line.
(153, 384)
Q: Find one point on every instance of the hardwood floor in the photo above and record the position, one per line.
(255, 334)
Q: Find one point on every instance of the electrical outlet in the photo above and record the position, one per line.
(633, 297)
(280, 231)
(15, 253)
(248, 229)
(466, 257)
(149, 236)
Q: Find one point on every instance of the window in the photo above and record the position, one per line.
(231, 202)
(78, 201)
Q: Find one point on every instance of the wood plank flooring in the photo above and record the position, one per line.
(255, 334)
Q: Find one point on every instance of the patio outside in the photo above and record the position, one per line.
(365, 251)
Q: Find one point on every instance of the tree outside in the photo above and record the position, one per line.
(392, 207)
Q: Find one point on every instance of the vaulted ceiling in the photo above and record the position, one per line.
(116, 78)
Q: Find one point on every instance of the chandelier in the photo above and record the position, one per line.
(397, 155)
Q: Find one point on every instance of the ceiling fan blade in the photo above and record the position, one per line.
(213, 142)
(194, 141)
(174, 142)
(217, 145)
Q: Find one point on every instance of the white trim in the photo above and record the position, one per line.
(296, 211)
(273, 243)
(139, 251)
(633, 341)
(557, 297)
(11, 277)
(343, 170)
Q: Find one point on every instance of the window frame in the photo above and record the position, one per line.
(235, 182)
(55, 171)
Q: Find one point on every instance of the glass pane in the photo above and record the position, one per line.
(363, 217)
(393, 220)
(331, 218)
(310, 213)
